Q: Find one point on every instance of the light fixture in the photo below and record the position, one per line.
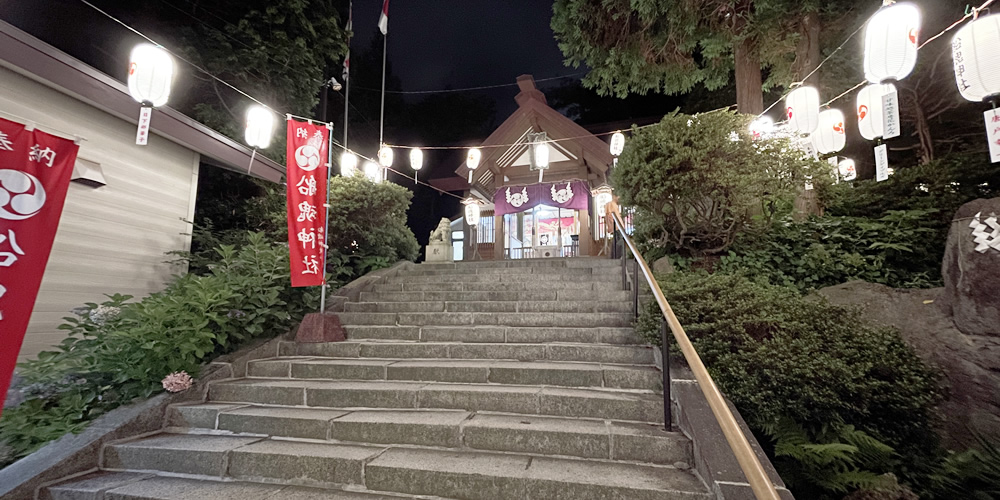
(830, 136)
(260, 126)
(373, 172)
(150, 76)
(847, 170)
(348, 164)
(802, 109)
(416, 159)
(977, 67)
(472, 160)
(471, 212)
(617, 144)
(761, 127)
(891, 38)
(871, 119)
(385, 156)
(602, 196)
(335, 85)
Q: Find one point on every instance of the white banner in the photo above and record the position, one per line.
(890, 113)
(142, 134)
(993, 133)
(881, 163)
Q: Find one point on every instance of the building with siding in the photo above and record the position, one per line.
(127, 205)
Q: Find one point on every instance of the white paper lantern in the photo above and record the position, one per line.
(847, 170)
(473, 158)
(260, 126)
(385, 156)
(541, 155)
(472, 213)
(762, 127)
(617, 144)
(871, 121)
(976, 52)
(416, 159)
(373, 172)
(802, 109)
(150, 75)
(348, 164)
(891, 42)
(830, 136)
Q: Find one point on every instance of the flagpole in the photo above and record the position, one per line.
(347, 72)
(326, 212)
(381, 121)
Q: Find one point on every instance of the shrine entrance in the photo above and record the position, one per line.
(541, 232)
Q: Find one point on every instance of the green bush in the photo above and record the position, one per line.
(777, 355)
(696, 189)
(824, 251)
(369, 219)
(119, 351)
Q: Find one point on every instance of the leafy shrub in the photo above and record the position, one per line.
(369, 219)
(777, 354)
(119, 351)
(973, 474)
(696, 189)
(823, 251)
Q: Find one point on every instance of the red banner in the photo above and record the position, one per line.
(35, 169)
(308, 174)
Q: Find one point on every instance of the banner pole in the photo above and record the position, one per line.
(326, 214)
(381, 120)
(347, 74)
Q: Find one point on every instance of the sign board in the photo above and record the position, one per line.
(890, 115)
(993, 133)
(881, 163)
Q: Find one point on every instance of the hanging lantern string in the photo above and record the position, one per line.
(972, 13)
(846, 92)
(359, 155)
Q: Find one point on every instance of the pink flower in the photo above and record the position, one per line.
(177, 382)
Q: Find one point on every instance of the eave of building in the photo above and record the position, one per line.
(39, 61)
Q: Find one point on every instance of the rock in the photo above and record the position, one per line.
(971, 276)
(663, 266)
(318, 327)
(968, 362)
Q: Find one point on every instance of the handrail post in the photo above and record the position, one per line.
(668, 410)
(635, 289)
(624, 266)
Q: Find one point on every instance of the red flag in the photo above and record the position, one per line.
(35, 169)
(383, 20)
(308, 173)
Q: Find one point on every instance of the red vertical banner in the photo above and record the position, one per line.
(35, 169)
(308, 174)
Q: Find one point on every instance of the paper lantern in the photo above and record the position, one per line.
(976, 52)
(260, 126)
(348, 164)
(761, 127)
(472, 213)
(847, 170)
(416, 159)
(473, 158)
(830, 136)
(617, 144)
(373, 172)
(871, 121)
(891, 42)
(802, 109)
(150, 75)
(385, 156)
(541, 155)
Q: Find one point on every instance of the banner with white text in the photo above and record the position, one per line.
(308, 173)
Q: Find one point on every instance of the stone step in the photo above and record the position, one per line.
(523, 295)
(147, 486)
(494, 334)
(487, 318)
(516, 277)
(565, 306)
(581, 438)
(541, 272)
(489, 476)
(583, 262)
(516, 286)
(549, 373)
(525, 400)
(593, 353)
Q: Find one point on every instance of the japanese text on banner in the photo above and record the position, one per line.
(308, 178)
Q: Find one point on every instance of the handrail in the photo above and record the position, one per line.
(761, 485)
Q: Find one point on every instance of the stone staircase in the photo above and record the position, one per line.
(479, 381)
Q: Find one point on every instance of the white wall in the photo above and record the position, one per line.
(111, 239)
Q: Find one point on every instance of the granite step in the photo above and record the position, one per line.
(528, 319)
(542, 272)
(477, 371)
(572, 437)
(516, 286)
(634, 406)
(583, 262)
(511, 277)
(494, 334)
(494, 295)
(554, 306)
(584, 352)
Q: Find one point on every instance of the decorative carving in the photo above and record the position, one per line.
(443, 231)
(516, 200)
(563, 195)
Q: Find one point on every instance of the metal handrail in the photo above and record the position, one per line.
(761, 485)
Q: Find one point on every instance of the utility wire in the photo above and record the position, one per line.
(468, 89)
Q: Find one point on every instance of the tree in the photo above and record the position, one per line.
(696, 182)
(369, 219)
(672, 46)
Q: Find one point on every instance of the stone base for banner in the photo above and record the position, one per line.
(439, 251)
(318, 328)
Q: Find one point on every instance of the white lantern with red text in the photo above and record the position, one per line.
(150, 75)
(891, 42)
(260, 127)
(871, 119)
(385, 156)
(348, 164)
(830, 136)
(976, 53)
(848, 171)
(802, 109)
(373, 172)
(472, 160)
(472, 213)
(416, 159)
(617, 144)
(761, 127)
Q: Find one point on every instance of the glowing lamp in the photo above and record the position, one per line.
(847, 170)
(541, 155)
(830, 136)
(891, 42)
(472, 213)
(373, 172)
(975, 50)
(761, 127)
(348, 164)
(871, 121)
(416, 159)
(385, 156)
(150, 75)
(617, 144)
(802, 109)
(472, 161)
(260, 127)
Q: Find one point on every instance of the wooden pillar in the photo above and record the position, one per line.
(467, 241)
(586, 232)
(498, 242)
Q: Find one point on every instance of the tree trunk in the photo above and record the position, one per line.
(749, 86)
(808, 54)
(924, 133)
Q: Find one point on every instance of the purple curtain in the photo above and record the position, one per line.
(573, 195)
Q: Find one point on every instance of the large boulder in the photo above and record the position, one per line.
(971, 268)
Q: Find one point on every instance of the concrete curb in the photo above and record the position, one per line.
(74, 454)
